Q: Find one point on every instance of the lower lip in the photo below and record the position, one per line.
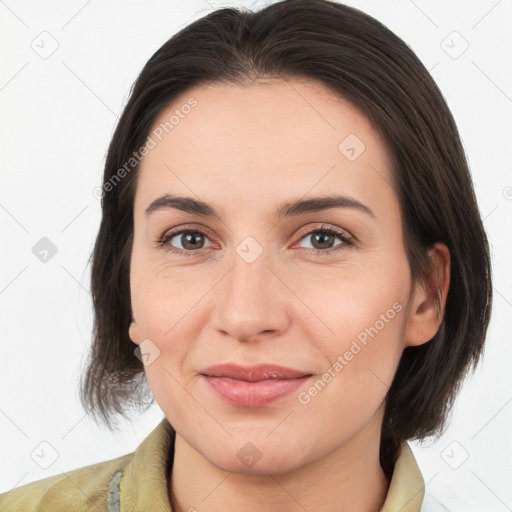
(253, 394)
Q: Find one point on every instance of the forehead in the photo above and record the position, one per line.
(260, 140)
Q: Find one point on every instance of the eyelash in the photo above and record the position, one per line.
(343, 236)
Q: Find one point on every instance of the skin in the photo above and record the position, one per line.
(246, 150)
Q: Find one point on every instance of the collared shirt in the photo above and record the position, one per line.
(139, 481)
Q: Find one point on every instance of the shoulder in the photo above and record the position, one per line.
(79, 490)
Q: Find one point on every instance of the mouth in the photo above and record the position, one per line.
(253, 373)
(253, 386)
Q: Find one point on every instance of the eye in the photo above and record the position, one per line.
(323, 238)
(191, 240)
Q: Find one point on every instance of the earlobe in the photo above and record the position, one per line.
(133, 332)
(424, 317)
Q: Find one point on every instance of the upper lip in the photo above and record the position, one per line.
(253, 373)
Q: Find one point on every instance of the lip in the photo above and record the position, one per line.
(254, 386)
(252, 373)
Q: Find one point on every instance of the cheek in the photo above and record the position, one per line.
(165, 323)
(362, 303)
(163, 298)
(357, 327)
(361, 360)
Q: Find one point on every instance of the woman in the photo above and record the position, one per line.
(287, 212)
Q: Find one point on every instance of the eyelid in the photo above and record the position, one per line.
(198, 228)
(343, 233)
(187, 228)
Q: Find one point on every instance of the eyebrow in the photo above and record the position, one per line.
(288, 209)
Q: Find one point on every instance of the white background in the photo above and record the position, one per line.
(58, 115)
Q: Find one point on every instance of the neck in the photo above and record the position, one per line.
(348, 479)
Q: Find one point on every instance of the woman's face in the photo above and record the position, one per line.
(250, 288)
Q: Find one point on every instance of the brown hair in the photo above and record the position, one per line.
(364, 62)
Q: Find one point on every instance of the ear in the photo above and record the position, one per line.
(424, 319)
(133, 332)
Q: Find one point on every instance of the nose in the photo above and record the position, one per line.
(251, 300)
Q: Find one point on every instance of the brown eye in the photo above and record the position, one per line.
(190, 240)
(323, 240)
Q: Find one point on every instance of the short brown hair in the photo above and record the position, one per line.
(364, 62)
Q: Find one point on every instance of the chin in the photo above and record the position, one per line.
(277, 463)
(256, 455)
